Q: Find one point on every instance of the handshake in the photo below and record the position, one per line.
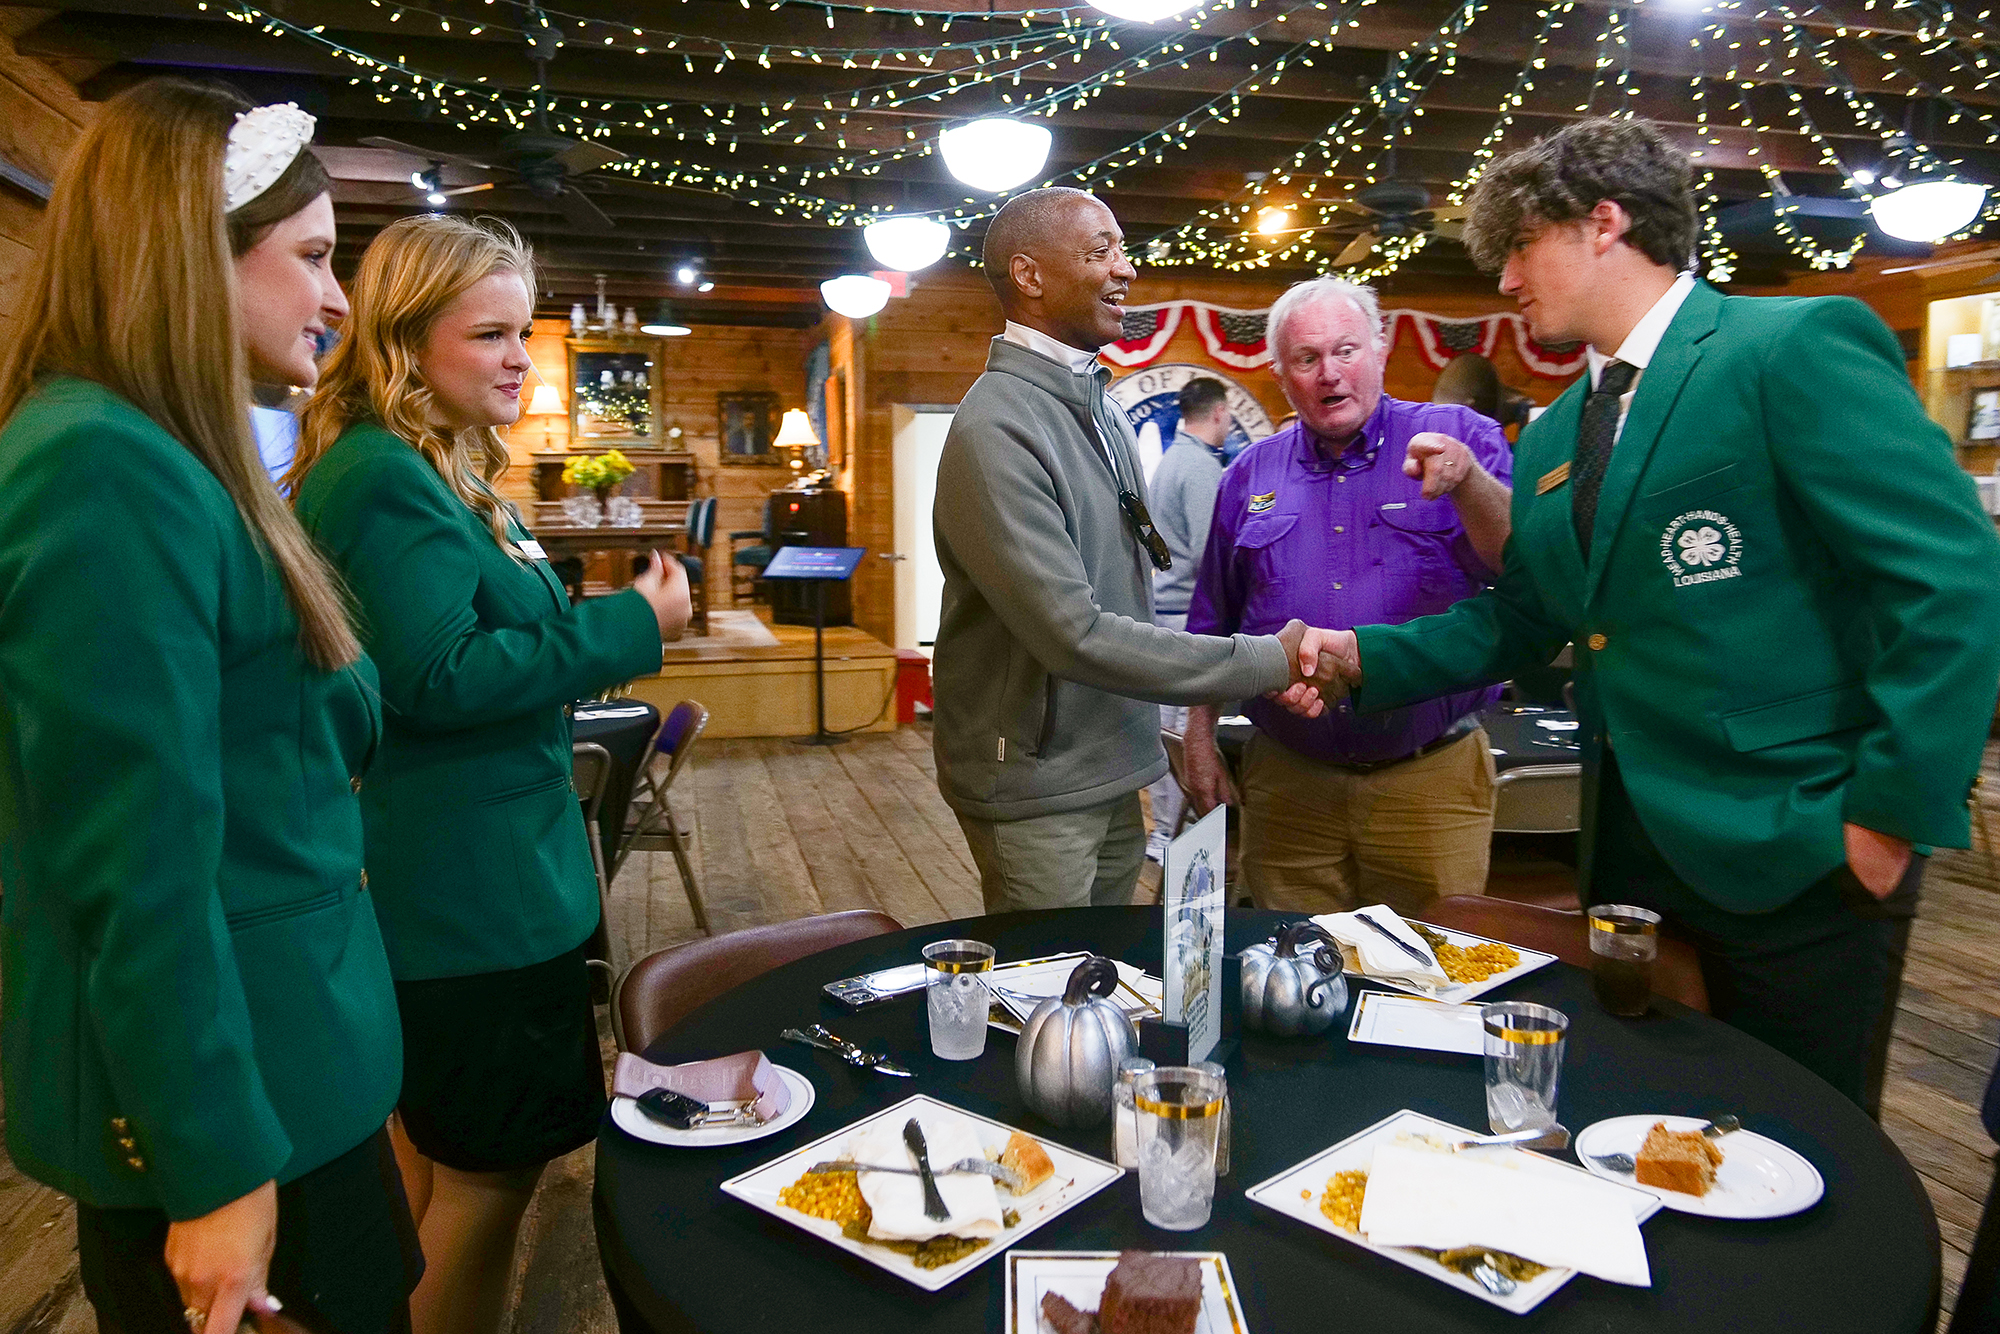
(1326, 665)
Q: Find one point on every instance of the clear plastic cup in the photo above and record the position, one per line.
(955, 990)
(1180, 1114)
(1124, 1118)
(1215, 1070)
(1624, 942)
(1524, 1053)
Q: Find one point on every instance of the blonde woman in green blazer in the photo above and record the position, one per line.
(200, 1035)
(481, 868)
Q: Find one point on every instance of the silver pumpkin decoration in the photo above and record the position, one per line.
(1288, 993)
(1067, 1058)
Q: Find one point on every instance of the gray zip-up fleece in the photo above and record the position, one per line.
(1047, 664)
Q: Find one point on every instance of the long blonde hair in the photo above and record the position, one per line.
(413, 269)
(133, 287)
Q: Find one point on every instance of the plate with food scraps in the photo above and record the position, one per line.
(1020, 986)
(1325, 1192)
(1078, 1278)
(1460, 954)
(1757, 1178)
(1389, 1020)
(772, 1188)
(629, 1117)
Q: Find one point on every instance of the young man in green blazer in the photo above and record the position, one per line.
(1784, 596)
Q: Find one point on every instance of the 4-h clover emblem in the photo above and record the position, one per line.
(1701, 547)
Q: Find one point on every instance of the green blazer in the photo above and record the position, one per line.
(476, 846)
(1791, 613)
(196, 999)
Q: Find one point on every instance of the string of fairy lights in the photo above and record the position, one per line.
(1049, 62)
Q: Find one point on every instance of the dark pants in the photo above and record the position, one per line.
(1816, 978)
(346, 1260)
(1978, 1308)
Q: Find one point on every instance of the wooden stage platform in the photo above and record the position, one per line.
(756, 679)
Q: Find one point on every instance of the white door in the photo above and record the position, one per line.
(918, 441)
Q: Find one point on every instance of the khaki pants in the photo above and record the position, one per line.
(1319, 839)
(1078, 859)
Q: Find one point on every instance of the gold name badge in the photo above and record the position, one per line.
(1552, 479)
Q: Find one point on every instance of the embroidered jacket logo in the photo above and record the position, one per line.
(1258, 504)
(1701, 547)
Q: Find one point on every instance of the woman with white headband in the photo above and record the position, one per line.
(200, 1037)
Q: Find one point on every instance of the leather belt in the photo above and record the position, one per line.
(1454, 734)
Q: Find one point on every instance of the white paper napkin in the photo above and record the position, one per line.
(898, 1201)
(1417, 1197)
(1378, 957)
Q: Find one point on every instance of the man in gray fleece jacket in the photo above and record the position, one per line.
(1048, 667)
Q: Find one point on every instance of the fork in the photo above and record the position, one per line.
(1001, 1173)
(1625, 1164)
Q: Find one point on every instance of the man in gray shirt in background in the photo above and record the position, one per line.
(1183, 495)
(1048, 665)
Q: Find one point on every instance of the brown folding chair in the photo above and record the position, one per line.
(670, 746)
(1677, 974)
(590, 770)
(663, 988)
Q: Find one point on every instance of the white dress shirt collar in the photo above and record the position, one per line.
(1644, 340)
(1076, 359)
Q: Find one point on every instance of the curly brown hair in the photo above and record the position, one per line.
(1563, 177)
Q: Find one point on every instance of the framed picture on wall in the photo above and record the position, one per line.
(746, 425)
(1985, 421)
(615, 390)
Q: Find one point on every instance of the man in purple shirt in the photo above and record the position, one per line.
(1367, 510)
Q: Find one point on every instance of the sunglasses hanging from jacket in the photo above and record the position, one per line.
(1137, 516)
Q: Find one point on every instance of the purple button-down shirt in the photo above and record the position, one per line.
(1341, 543)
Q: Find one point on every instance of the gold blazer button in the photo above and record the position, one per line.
(1596, 643)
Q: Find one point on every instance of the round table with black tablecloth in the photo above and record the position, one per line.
(679, 1254)
(624, 727)
(1517, 734)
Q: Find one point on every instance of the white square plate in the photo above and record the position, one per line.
(1021, 986)
(1413, 1021)
(1077, 1177)
(1295, 1192)
(1458, 993)
(1079, 1276)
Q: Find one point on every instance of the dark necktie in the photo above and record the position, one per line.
(1593, 447)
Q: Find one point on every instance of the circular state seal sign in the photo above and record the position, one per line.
(1701, 547)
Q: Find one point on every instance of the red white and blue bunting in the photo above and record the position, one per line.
(1235, 338)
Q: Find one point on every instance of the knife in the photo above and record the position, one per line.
(1396, 940)
(913, 1138)
(817, 1036)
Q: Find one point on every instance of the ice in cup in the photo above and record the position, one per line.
(1179, 1111)
(1524, 1053)
(1124, 1115)
(1624, 941)
(955, 991)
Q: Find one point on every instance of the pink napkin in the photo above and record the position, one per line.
(742, 1077)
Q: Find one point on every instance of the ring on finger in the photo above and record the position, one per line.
(195, 1318)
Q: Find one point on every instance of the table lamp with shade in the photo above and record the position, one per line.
(796, 433)
(545, 404)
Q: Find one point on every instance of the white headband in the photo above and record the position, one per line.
(262, 143)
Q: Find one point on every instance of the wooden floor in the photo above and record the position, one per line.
(784, 830)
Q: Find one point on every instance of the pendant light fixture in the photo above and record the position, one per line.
(855, 295)
(1144, 11)
(995, 154)
(908, 243)
(1927, 210)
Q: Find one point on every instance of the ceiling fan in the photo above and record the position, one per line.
(1396, 209)
(545, 163)
(1990, 255)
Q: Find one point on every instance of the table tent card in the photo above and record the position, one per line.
(1192, 894)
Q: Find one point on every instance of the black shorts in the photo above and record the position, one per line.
(501, 1071)
(346, 1261)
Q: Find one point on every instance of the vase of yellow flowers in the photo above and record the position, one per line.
(602, 473)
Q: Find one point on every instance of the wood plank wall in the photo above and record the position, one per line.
(40, 117)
